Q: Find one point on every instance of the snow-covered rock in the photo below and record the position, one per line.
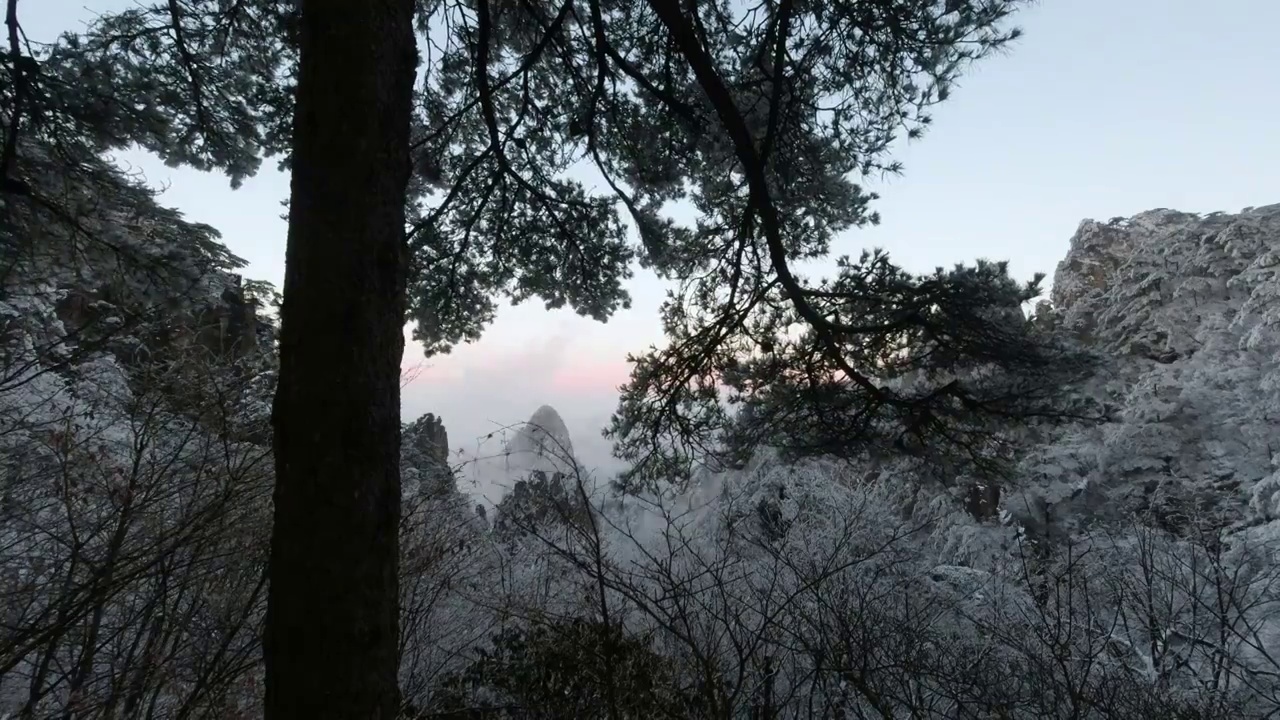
(1185, 309)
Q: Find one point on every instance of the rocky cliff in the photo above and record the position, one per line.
(1185, 311)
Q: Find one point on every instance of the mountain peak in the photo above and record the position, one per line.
(542, 443)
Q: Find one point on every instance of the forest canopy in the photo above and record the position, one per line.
(874, 494)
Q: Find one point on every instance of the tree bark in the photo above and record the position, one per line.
(332, 610)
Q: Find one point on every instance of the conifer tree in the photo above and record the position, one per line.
(765, 119)
(332, 627)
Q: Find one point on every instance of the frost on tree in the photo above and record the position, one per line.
(136, 373)
(135, 381)
(831, 564)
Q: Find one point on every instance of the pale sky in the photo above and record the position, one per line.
(1104, 108)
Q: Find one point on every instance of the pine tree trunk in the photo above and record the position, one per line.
(332, 610)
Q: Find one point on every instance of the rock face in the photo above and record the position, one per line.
(424, 451)
(239, 329)
(225, 325)
(544, 494)
(1185, 310)
(428, 438)
(1141, 286)
(541, 444)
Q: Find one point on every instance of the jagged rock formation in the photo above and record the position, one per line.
(539, 457)
(1142, 285)
(427, 436)
(232, 327)
(1186, 311)
(424, 451)
(537, 505)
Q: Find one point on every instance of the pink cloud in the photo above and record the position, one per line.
(590, 376)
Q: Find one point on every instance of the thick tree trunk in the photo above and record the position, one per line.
(332, 610)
